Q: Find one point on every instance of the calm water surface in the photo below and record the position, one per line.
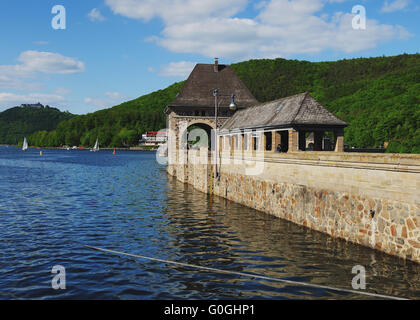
(53, 204)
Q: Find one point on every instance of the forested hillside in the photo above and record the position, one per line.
(15, 123)
(378, 97)
(120, 126)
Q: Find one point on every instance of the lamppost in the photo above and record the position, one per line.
(232, 107)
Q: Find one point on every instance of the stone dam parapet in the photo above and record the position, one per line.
(369, 199)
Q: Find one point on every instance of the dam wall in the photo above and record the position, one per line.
(369, 199)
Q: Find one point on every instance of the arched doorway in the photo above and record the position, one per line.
(198, 135)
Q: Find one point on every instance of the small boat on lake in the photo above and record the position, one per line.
(96, 147)
(25, 145)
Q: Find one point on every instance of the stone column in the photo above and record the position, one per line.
(249, 142)
(240, 148)
(264, 141)
(232, 145)
(276, 140)
(293, 141)
(226, 144)
(242, 142)
(173, 148)
(172, 143)
(182, 152)
(261, 141)
(339, 140)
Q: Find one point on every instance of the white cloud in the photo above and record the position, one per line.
(33, 63)
(283, 12)
(178, 69)
(213, 37)
(281, 27)
(11, 99)
(177, 11)
(49, 62)
(95, 15)
(395, 5)
(16, 80)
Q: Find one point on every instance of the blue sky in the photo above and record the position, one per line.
(115, 50)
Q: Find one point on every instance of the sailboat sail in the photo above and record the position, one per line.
(25, 144)
(96, 147)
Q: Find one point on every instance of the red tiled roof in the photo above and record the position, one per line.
(156, 134)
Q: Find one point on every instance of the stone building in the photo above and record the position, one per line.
(33, 105)
(282, 126)
(195, 104)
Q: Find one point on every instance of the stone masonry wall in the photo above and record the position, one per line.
(370, 200)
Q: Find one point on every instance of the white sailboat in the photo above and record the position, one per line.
(96, 147)
(25, 144)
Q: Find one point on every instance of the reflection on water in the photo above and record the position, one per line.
(241, 239)
(50, 206)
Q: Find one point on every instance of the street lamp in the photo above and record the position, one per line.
(232, 107)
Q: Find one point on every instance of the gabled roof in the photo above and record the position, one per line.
(298, 110)
(198, 89)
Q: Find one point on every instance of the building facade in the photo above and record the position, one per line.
(282, 125)
(195, 106)
(154, 138)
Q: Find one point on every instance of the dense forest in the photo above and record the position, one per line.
(378, 97)
(15, 123)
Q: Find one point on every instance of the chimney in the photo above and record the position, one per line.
(216, 64)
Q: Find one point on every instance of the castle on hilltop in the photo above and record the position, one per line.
(32, 105)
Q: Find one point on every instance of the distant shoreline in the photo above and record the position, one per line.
(111, 149)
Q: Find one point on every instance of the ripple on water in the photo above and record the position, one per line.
(52, 205)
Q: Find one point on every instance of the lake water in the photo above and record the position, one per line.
(52, 205)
